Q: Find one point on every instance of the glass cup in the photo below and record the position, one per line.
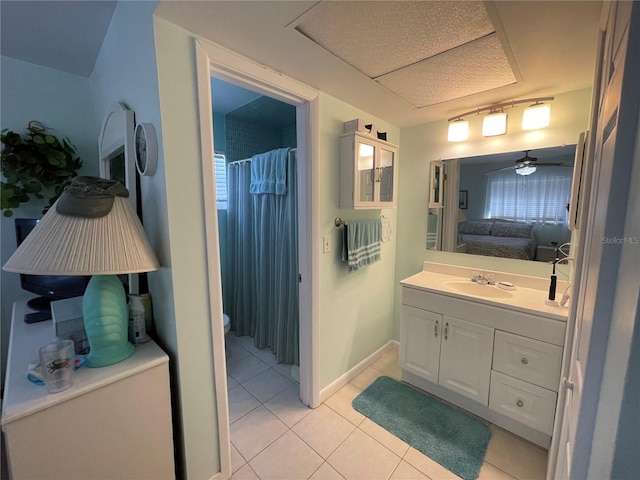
(58, 365)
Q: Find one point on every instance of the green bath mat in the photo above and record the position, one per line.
(452, 438)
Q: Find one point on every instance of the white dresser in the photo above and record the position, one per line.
(113, 423)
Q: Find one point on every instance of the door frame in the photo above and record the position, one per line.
(214, 60)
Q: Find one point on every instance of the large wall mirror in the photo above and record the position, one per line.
(510, 205)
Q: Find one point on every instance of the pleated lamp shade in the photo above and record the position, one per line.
(66, 245)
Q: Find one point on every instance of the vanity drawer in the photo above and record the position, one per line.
(526, 403)
(527, 359)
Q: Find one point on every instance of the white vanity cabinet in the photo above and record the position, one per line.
(499, 363)
(368, 172)
(447, 351)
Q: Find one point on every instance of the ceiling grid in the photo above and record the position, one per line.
(424, 52)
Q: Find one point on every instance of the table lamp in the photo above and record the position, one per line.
(92, 230)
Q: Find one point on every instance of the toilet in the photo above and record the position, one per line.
(227, 323)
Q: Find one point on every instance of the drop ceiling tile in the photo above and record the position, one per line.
(378, 37)
(475, 67)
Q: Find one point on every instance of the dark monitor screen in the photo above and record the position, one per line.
(49, 287)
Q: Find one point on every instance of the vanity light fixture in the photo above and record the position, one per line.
(536, 116)
(494, 124)
(458, 130)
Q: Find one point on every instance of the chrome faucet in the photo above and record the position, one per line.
(483, 278)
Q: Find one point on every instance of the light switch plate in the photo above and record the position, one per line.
(326, 244)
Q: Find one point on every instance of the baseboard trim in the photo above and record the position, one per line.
(341, 381)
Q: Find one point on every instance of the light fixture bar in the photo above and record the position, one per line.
(498, 106)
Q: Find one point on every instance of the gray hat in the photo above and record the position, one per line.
(90, 197)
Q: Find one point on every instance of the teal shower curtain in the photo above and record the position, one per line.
(261, 285)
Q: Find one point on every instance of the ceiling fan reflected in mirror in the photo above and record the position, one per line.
(528, 165)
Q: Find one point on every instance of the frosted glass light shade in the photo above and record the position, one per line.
(536, 116)
(526, 170)
(494, 124)
(458, 131)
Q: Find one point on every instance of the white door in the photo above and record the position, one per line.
(420, 333)
(465, 358)
(601, 268)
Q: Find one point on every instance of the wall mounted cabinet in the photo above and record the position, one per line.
(436, 179)
(368, 172)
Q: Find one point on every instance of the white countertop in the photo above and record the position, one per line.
(23, 397)
(529, 296)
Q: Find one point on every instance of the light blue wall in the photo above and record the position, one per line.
(62, 102)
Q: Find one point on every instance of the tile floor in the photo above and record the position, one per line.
(275, 437)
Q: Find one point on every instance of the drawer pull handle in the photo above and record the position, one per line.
(446, 330)
(435, 329)
(524, 360)
(520, 403)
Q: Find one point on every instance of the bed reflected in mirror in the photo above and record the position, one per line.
(509, 205)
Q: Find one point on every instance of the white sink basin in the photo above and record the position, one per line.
(477, 290)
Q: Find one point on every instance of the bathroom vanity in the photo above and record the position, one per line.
(495, 353)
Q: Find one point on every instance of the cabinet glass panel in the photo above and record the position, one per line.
(366, 154)
(386, 175)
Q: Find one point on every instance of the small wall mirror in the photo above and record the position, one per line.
(116, 149)
(117, 161)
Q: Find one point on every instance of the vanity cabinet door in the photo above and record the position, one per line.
(465, 360)
(420, 333)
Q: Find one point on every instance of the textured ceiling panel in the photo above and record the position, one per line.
(380, 37)
(472, 68)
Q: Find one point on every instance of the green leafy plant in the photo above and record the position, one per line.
(34, 166)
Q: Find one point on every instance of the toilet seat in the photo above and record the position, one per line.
(227, 323)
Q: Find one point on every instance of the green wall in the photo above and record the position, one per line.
(356, 309)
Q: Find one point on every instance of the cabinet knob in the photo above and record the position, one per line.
(524, 360)
(435, 329)
(520, 403)
(446, 331)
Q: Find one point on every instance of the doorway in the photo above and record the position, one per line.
(212, 60)
(258, 233)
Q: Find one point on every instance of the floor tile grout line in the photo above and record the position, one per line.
(356, 427)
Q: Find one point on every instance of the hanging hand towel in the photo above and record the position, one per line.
(361, 243)
(269, 172)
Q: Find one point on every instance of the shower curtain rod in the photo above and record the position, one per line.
(248, 159)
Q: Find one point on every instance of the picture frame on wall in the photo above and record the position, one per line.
(463, 199)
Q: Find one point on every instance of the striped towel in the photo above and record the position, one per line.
(361, 243)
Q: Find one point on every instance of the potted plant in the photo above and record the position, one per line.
(35, 165)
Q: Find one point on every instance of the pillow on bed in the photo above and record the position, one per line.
(475, 228)
(518, 230)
